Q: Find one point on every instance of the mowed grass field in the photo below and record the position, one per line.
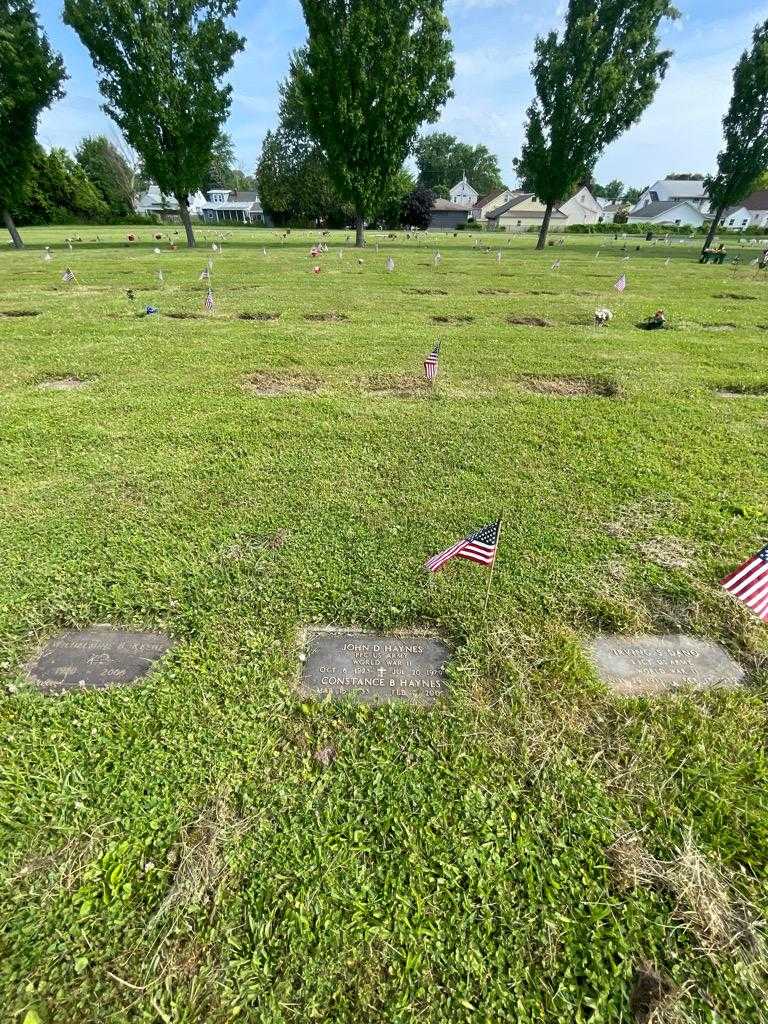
(532, 849)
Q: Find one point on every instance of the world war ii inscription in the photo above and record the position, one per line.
(634, 666)
(373, 668)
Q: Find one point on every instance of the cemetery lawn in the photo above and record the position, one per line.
(531, 850)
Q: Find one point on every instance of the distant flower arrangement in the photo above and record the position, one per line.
(602, 317)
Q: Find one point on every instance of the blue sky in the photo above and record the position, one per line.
(493, 41)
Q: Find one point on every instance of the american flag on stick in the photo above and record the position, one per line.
(479, 547)
(556, 265)
(209, 301)
(68, 276)
(205, 274)
(621, 284)
(430, 363)
(749, 583)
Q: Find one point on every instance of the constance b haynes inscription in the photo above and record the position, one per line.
(373, 668)
(634, 666)
(96, 658)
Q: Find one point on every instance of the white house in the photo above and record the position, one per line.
(490, 201)
(582, 208)
(154, 202)
(669, 212)
(679, 190)
(524, 211)
(225, 205)
(463, 194)
(751, 213)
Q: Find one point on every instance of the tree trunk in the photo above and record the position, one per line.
(15, 236)
(186, 220)
(713, 228)
(545, 226)
(359, 231)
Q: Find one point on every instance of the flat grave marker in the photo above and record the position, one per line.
(95, 658)
(647, 665)
(374, 668)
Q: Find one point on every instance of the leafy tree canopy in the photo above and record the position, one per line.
(371, 74)
(442, 161)
(592, 82)
(160, 64)
(613, 190)
(109, 172)
(31, 77)
(417, 207)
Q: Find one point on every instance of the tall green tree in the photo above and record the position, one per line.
(109, 172)
(613, 190)
(745, 127)
(592, 83)
(372, 72)
(442, 161)
(160, 64)
(31, 77)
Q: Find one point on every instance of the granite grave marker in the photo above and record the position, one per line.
(646, 665)
(373, 668)
(96, 658)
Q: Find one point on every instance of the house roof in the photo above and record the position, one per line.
(490, 196)
(445, 206)
(757, 200)
(652, 210)
(516, 200)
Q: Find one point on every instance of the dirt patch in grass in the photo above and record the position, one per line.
(459, 318)
(718, 328)
(388, 385)
(571, 387)
(330, 317)
(529, 321)
(19, 312)
(494, 291)
(541, 291)
(735, 295)
(652, 994)
(424, 291)
(741, 390)
(63, 384)
(184, 316)
(705, 900)
(258, 316)
(273, 384)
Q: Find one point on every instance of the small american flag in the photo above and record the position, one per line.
(430, 363)
(556, 265)
(67, 276)
(205, 274)
(621, 284)
(390, 265)
(479, 546)
(160, 277)
(209, 301)
(749, 583)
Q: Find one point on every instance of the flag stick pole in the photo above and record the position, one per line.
(493, 566)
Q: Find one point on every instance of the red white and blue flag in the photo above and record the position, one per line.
(209, 301)
(67, 276)
(749, 583)
(479, 547)
(621, 284)
(430, 363)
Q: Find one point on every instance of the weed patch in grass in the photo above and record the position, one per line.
(331, 317)
(741, 390)
(570, 387)
(274, 384)
(529, 321)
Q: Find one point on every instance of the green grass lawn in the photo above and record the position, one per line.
(172, 851)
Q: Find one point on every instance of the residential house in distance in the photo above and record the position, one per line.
(524, 211)
(582, 208)
(667, 190)
(489, 202)
(227, 206)
(670, 212)
(447, 215)
(609, 209)
(463, 194)
(752, 212)
(154, 203)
